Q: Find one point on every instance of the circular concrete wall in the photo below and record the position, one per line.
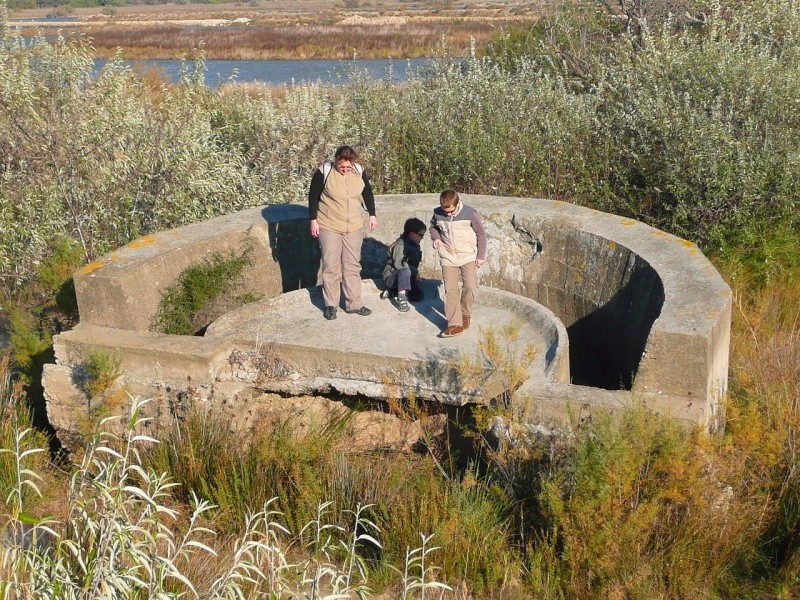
(645, 311)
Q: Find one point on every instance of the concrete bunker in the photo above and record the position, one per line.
(633, 313)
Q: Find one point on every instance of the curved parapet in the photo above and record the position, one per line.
(646, 315)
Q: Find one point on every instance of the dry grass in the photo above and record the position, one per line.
(296, 10)
(261, 42)
(292, 30)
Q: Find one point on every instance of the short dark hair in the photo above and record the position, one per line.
(345, 153)
(414, 225)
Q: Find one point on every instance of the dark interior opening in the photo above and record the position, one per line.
(606, 346)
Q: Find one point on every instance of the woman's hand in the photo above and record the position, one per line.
(373, 222)
(314, 228)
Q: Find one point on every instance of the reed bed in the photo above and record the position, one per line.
(122, 537)
(307, 41)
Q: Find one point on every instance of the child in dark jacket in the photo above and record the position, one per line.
(401, 272)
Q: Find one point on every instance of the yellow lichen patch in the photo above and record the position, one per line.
(659, 233)
(627, 222)
(142, 242)
(612, 245)
(93, 266)
(693, 250)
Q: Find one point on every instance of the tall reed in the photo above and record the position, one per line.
(121, 537)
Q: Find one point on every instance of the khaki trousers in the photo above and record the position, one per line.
(341, 264)
(457, 304)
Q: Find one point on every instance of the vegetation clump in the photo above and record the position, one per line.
(202, 293)
(99, 371)
(119, 536)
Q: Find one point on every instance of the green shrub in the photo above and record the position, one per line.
(98, 372)
(55, 275)
(30, 342)
(201, 293)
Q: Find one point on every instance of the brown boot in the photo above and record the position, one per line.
(453, 330)
(465, 319)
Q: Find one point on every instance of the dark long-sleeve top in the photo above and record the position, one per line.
(403, 253)
(318, 185)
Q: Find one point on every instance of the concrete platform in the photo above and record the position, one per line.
(390, 353)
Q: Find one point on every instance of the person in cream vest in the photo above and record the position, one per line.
(338, 195)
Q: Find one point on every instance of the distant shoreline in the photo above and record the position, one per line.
(280, 30)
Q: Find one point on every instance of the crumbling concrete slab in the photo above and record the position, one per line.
(284, 345)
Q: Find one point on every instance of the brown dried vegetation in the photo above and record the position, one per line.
(292, 30)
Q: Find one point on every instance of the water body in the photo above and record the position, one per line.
(13, 22)
(288, 72)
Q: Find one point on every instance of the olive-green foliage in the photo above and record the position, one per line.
(408, 494)
(98, 372)
(30, 341)
(182, 304)
(686, 123)
(691, 123)
(55, 275)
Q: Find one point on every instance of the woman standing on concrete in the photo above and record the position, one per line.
(338, 190)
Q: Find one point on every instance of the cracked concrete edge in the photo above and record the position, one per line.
(559, 406)
(196, 361)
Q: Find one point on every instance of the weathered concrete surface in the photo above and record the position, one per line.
(391, 354)
(648, 316)
(123, 289)
(284, 345)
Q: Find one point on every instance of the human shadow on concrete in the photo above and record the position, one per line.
(606, 346)
(431, 305)
(428, 304)
(297, 254)
(373, 258)
(315, 296)
(318, 300)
